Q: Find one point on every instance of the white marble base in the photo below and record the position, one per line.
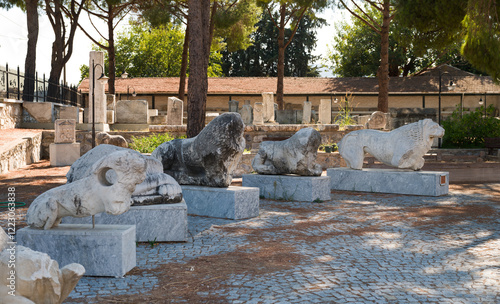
(162, 222)
(98, 126)
(64, 154)
(395, 181)
(290, 187)
(105, 251)
(230, 203)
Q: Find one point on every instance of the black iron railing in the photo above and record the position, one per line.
(12, 86)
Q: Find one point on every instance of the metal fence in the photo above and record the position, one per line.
(12, 85)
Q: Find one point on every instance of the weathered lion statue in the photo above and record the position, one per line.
(91, 195)
(157, 187)
(209, 158)
(115, 140)
(295, 155)
(402, 148)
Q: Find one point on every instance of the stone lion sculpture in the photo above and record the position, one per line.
(295, 155)
(115, 140)
(91, 195)
(37, 278)
(157, 187)
(403, 147)
(209, 158)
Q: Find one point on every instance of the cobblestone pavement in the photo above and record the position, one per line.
(356, 248)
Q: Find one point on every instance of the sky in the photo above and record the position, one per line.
(13, 42)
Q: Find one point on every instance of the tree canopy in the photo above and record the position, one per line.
(259, 59)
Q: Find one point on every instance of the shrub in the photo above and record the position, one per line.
(147, 144)
(469, 129)
(345, 107)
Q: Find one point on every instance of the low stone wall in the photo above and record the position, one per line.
(24, 153)
(11, 113)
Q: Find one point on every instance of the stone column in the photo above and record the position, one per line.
(247, 113)
(325, 111)
(258, 113)
(175, 111)
(268, 106)
(306, 112)
(97, 57)
(233, 106)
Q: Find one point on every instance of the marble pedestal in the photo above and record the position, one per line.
(64, 154)
(290, 187)
(160, 223)
(395, 181)
(230, 203)
(105, 251)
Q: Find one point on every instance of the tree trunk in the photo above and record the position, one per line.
(281, 59)
(199, 52)
(383, 71)
(57, 63)
(111, 54)
(30, 62)
(184, 65)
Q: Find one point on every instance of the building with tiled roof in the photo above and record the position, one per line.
(405, 92)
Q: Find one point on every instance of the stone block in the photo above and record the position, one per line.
(99, 127)
(230, 203)
(290, 187)
(175, 111)
(110, 102)
(104, 251)
(152, 112)
(64, 154)
(268, 106)
(162, 222)
(246, 113)
(306, 113)
(233, 106)
(43, 112)
(131, 112)
(158, 120)
(258, 113)
(395, 181)
(69, 112)
(97, 95)
(325, 111)
(64, 131)
(110, 114)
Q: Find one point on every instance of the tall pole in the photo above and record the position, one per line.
(93, 104)
(439, 107)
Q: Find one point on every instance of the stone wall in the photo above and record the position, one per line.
(254, 135)
(11, 113)
(25, 153)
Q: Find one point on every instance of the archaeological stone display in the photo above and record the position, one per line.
(36, 277)
(64, 131)
(233, 106)
(246, 113)
(402, 148)
(92, 194)
(64, 151)
(156, 188)
(115, 140)
(306, 113)
(258, 113)
(175, 111)
(296, 155)
(100, 102)
(377, 120)
(325, 111)
(208, 159)
(131, 112)
(268, 104)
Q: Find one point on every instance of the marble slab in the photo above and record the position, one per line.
(104, 251)
(395, 181)
(290, 187)
(230, 203)
(160, 223)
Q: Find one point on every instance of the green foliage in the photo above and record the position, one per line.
(356, 49)
(345, 107)
(260, 59)
(154, 52)
(147, 144)
(468, 130)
